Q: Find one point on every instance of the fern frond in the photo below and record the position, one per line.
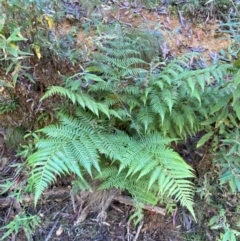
(145, 166)
(154, 155)
(146, 116)
(59, 90)
(138, 189)
(157, 104)
(152, 163)
(83, 99)
(69, 147)
(169, 98)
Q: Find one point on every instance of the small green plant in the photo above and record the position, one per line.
(38, 20)
(219, 222)
(206, 189)
(190, 7)
(28, 147)
(208, 9)
(21, 222)
(8, 105)
(228, 160)
(194, 236)
(10, 53)
(150, 4)
(138, 215)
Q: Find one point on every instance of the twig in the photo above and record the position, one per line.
(116, 208)
(2, 152)
(55, 224)
(63, 193)
(128, 235)
(138, 230)
(129, 201)
(73, 201)
(54, 194)
(181, 19)
(82, 217)
(235, 7)
(52, 229)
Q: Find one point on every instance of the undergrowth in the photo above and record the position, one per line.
(124, 111)
(134, 103)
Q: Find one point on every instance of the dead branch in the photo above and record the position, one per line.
(128, 201)
(63, 193)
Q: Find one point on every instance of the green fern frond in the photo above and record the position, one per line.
(83, 99)
(132, 90)
(152, 163)
(69, 147)
(82, 142)
(138, 189)
(171, 168)
(58, 90)
(146, 116)
(157, 104)
(189, 115)
(169, 98)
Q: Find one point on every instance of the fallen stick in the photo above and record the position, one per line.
(138, 231)
(128, 201)
(63, 193)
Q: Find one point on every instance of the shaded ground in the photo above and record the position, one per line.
(58, 216)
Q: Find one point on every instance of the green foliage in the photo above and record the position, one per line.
(137, 216)
(173, 99)
(228, 159)
(21, 222)
(223, 124)
(124, 53)
(128, 106)
(10, 53)
(191, 6)
(15, 137)
(8, 105)
(150, 4)
(78, 96)
(141, 166)
(210, 8)
(195, 236)
(126, 119)
(220, 222)
(207, 188)
(37, 22)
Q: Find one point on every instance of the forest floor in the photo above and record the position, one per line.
(58, 215)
